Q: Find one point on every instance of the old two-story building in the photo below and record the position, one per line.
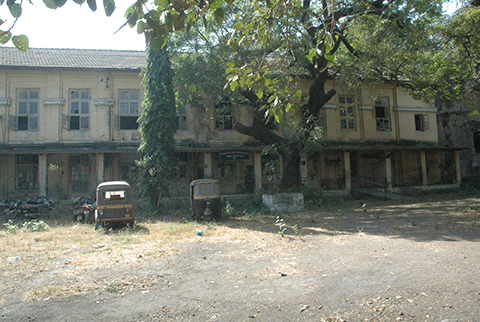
(380, 136)
(68, 121)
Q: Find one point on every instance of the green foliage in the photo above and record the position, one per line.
(229, 210)
(251, 207)
(11, 226)
(313, 198)
(114, 287)
(282, 227)
(157, 125)
(35, 225)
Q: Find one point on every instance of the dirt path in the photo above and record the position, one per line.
(406, 262)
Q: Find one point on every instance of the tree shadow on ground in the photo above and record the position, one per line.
(421, 220)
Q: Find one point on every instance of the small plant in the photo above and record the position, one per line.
(114, 287)
(210, 225)
(364, 207)
(10, 226)
(35, 225)
(282, 226)
(295, 229)
(228, 209)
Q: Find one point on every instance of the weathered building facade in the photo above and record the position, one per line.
(68, 121)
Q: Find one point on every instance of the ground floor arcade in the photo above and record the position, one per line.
(62, 173)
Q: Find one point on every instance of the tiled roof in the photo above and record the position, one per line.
(11, 57)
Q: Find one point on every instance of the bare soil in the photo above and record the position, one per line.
(416, 260)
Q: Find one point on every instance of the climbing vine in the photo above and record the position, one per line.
(157, 126)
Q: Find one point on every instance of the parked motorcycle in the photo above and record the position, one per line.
(84, 209)
(29, 209)
(86, 213)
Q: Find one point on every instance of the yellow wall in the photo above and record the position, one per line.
(54, 108)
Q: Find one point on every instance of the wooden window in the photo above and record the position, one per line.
(129, 103)
(27, 171)
(181, 118)
(27, 115)
(347, 112)
(223, 116)
(382, 114)
(79, 110)
(80, 172)
(421, 122)
(476, 141)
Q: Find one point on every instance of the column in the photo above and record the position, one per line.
(100, 157)
(423, 159)
(207, 161)
(348, 170)
(304, 171)
(458, 168)
(388, 170)
(257, 170)
(42, 175)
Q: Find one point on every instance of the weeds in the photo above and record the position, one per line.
(228, 209)
(11, 227)
(34, 225)
(295, 229)
(250, 207)
(282, 227)
(114, 287)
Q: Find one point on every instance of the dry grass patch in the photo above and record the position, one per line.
(61, 260)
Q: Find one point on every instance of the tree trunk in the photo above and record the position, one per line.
(291, 167)
(289, 151)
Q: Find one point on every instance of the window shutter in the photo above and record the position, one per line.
(12, 122)
(65, 122)
(425, 122)
(116, 122)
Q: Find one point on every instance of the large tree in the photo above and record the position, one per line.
(275, 43)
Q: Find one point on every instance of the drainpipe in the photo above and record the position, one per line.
(458, 168)
(395, 109)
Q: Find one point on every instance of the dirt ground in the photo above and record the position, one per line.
(416, 260)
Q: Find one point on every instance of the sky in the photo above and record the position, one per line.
(75, 26)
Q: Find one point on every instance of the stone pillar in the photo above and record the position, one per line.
(348, 170)
(207, 161)
(100, 157)
(388, 170)
(423, 160)
(42, 175)
(257, 170)
(458, 168)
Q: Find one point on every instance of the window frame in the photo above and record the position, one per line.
(347, 113)
(383, 123)
(181, 118)
(80, 172)
(126, 118)
(476, 141)
(80, 116)
(32, 119)
(223, 116)
(26, 171)
(421, 122)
